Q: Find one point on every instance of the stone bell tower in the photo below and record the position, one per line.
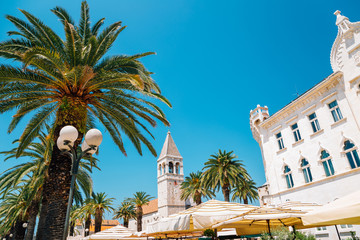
(170, 177)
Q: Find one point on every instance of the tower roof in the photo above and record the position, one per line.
(169, 148)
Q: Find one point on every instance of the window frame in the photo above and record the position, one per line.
(306, 171)
(288, 177)
(280, 140)
(325, 161)
(314, 122)
(355, 162)
(335, 111)
(296, 132)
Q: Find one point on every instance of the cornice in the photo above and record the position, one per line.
(310, 95)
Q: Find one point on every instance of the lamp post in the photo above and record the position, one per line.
(65, 143)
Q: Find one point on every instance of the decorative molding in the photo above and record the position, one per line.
(308, 109)
(298, 142)
(324, 86)
(338, 122)
(276, 129)
(328, 96)
(291, 119)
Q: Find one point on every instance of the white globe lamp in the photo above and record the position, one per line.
(93, 137)
(85, 146)
(60, 142)
(69, 133)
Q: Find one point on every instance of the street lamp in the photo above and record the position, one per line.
(65, 143)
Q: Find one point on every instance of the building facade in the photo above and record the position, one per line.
(310, 148)
(170, 175)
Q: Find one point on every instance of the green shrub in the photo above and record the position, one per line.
(284, 234)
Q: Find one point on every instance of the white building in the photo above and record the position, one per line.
(170, 175)
(310, 147)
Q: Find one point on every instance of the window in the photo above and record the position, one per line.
(288, 176)
(171, 167)
(351, 154)
(314, 122)
(335, 111)
(346, 226)
(160, 170)
(296, 132)
(280, 140)
(327, 163)
(306, 170)
(321, 228)
(177, 168)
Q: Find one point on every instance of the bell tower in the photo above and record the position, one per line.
(170, 176)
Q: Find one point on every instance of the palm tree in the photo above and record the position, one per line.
(99, 204)
(85, 213)
(70, 82)
(139, 200)
(246, 191)
(192, 188)
(223, 171)
(126, 211)
(34, 173)
(14, 211)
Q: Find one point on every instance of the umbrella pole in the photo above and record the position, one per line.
(268, 223)
(337, 231)
(294, 231)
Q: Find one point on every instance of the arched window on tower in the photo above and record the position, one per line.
(327, 163)
(163, 168)
(351, 154)
(306, 170)
(171, 167)
(160, 169)
(177, 168)
(288, 176)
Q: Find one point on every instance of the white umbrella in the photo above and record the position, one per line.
(345, 210)
(118, 232)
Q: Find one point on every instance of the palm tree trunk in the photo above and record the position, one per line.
(226, 192)
(42, 218)
(126, 222)
(246, 201)
(98, 220)
(57, 184)
(198, 198)
(139, 214)
(87, 224)
(55, 197)
(33, 212)
(72, 229)
(19, 230)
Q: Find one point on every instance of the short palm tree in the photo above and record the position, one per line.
(245, 191)
(126, 211)
(139, 200)
(70, 82)
(99, 204)
(223, 171)
(192, 188)
(14, 211)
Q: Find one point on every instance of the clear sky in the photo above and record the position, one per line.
(215, 61)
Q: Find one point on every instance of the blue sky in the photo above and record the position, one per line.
(215, 61)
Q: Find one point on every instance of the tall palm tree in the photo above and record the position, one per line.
(245, 191)
(223, 171)
(99, 204)
(192, 188)
(126, 211)
(70, 82)
(139, 200)
(34, 173)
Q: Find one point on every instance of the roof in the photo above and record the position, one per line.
(104, 222)
(169, 147)
(151, 207)
(107, 222)
(301, 96)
